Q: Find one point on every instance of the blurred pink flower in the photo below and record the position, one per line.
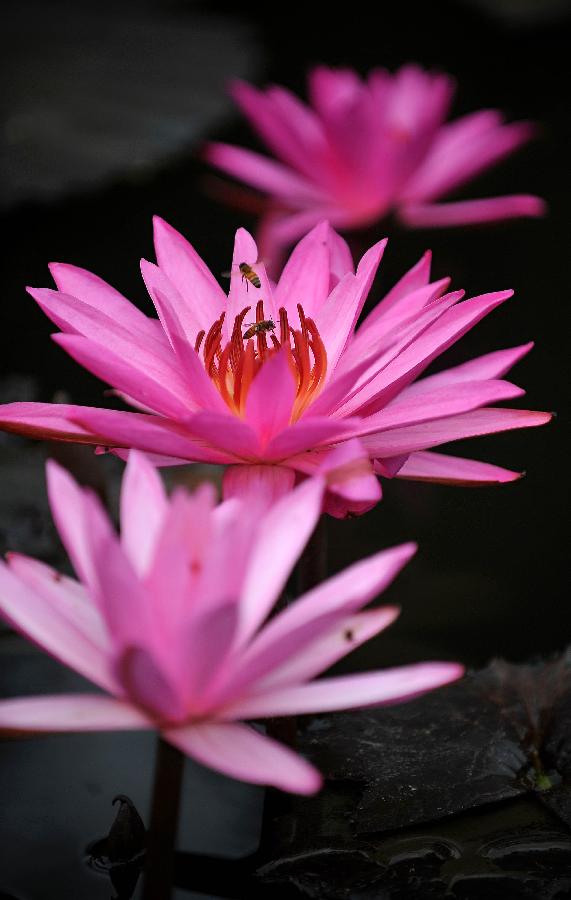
(170, 620)
(365, 147)
(312, 395)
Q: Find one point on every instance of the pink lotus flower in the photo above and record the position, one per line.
(364, 148)
(314, 394)
(170, 621)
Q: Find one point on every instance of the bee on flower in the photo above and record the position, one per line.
(306, 388)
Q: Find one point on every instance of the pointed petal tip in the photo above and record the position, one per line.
(409, 549)
(147, 268)
(238, 85)
(530, 205)
(435, 674)
(392, 613)
(159, 222)
(210, 151)
(244, 233)
(312, 784)
(35, 293)
(447, 672)
(55, 268)
(55, 470)
(138, 460)
(163, 229)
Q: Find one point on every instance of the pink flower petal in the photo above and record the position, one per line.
(120, 373)
(242, 292)
(266, 483)
(341, 260)
(120, 594)
(306, 275)
(491, 365)
(352, 486)
(263, 173)
(318, 611)
(306, 434)
(415, 278)
(283, 535)
(408, 364)
(227, 554)
(143, 509)
(270, 398)
(462, 150)
(278, 229)
(441, 431)
(68, 506)
(404, 317)
(156, 459)
(226, 434)
(427, 466)
(285, 124)
(148, 685)
(152, 434)
(348, 692)
(263, 119)
(95, 292)
(68, 597)
(74, 316)
(449, 400)
(303, 125)
(184, 547)
(239, 751)
(211, 636)
(338, 316)
(177, 317)
(70, 712)
(352, 377)
(182, 333)
(471, 212)
(54, 626)
(203, 296)
(328, 647)
(46, 421)
(144, 662)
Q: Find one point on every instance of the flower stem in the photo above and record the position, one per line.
(159, 867)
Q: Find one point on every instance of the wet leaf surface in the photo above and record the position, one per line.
(464, 793)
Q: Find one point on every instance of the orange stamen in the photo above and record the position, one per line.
(233, 364)
(199, 338)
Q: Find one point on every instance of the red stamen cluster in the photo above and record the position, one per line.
(233, 367)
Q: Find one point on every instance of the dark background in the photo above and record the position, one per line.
(490, 576)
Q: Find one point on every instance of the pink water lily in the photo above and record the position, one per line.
(170, 621)
(362, 148)
(308, 392)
